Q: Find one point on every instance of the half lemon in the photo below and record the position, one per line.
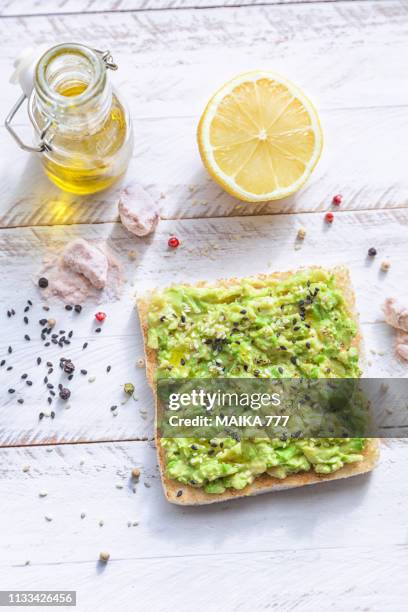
(260, 137)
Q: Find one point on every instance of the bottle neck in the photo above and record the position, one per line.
(72, 89)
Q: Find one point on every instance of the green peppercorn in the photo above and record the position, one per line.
(129, 388)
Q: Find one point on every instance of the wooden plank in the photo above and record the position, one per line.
(344, 543)
(210, 249)
(349, 59)
(14, 8)
(339, 580)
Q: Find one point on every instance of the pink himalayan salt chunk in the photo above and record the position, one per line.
(401, 345)
(396, 314)
(82, 257)
(138, 212)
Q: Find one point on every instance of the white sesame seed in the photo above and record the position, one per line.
(26, 468)
(43, 494)
(48, 517)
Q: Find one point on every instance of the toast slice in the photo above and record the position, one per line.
(181, 494)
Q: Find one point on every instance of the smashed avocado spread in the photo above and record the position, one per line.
(268, 327)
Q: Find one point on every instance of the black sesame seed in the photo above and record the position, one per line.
(183, 319)
(9, 368)
(243, 311)
(42, 322)
(25, 320)
(11, 390)
(108, 369)
(50, 370)
(293, 360)
(26, 309)
(179, 493)
(78, 308)
(54, 341)
(2, 362)
(84, 372)
(62, 331)
(49, 400)
(68, 307)
(308, 345)
(50, 386)
(194, 447)
(45, 379)
(70, 334)
(283, 348)
(183, 362)
(41, 415)
(372, 252)
(29, 383)
(29, 302)
(67, 341)
(296, 328)
(10, 350)
(52, 393)
(20, 400)
(52, 414)
(280, 370)
(98, 329)
(70, 377)
(84, 345)
(46, 308)
(113, 408)
(38, 360)
(43, 282)
(49, 364)
(47, 344)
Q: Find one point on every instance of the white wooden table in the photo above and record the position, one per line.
(340, 546)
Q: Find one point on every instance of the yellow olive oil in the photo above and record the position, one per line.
(90, 160)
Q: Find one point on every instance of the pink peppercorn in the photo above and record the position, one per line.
(173, 242)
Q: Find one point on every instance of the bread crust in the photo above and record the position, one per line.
(186, 495)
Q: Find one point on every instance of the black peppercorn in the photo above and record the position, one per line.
(68, 367)
(43, 282)
(64, 393)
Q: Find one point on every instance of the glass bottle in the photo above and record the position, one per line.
(85, 129)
